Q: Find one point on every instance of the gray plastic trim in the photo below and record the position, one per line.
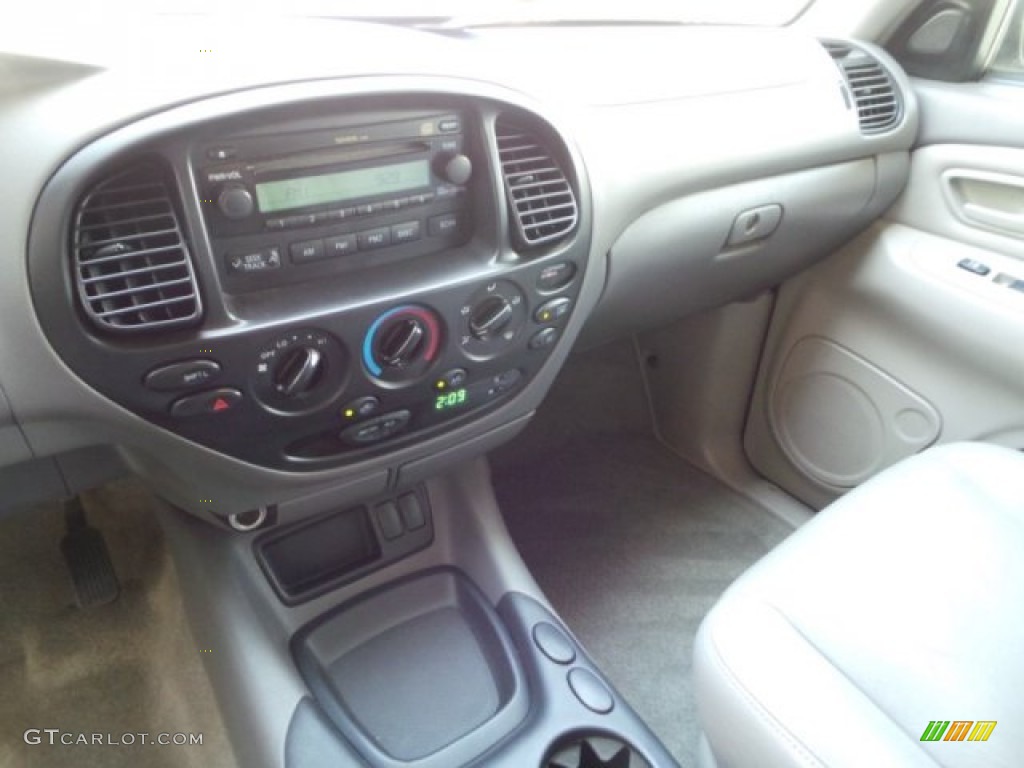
(676, 260)
(234, 611)
(986, 113)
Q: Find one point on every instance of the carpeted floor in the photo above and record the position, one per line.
(631, 544)
(128, 667)
(633, 547)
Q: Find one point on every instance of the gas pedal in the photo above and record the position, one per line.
(88, 559)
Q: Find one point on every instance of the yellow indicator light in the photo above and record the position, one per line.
(349, 413)
(546, 316)
(440, 385)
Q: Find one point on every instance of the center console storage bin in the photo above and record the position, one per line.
(419, 673)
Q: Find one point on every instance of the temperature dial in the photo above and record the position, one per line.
(299, 371)
(402, 344)
(492, 319)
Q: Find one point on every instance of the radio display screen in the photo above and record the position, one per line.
(340, 187)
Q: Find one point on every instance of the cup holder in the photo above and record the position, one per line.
(595, 751)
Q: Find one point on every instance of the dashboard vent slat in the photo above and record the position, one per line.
(131, 261)
(541, 199)
(878, 102)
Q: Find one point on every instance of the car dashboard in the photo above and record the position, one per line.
(299, 276)
(280, 267)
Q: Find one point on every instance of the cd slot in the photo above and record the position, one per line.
(322, 157)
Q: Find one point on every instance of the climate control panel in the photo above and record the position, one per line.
(356, 382)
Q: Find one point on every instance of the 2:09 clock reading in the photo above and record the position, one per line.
(449, 400)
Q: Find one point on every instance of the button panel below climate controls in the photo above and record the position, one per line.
(376, 429)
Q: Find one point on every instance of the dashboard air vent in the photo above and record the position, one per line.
(541, 199)
(874, 93)
(131, 262)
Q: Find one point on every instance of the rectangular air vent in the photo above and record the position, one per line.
(874, 93)
(131, 263)
(541, 199)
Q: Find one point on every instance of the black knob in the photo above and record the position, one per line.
(490, 317)
(455, 169)
(235, 201)
(400, 342)
(299, 372)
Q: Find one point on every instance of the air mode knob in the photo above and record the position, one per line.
(490, 317)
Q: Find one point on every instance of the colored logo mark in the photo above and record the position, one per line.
(958, 730)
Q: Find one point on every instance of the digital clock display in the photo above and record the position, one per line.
(449, 400)
(340, 187)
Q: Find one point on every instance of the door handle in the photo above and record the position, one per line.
(993, 201)
(994, 218)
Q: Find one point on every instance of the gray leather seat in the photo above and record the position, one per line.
(900, 604)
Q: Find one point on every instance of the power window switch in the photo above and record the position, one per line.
(974, 266)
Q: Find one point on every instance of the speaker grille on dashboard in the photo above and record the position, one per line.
(131, 262)
(541, 199)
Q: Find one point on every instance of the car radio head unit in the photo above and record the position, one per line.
(286, 198)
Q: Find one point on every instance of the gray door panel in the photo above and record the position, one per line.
(913, 333)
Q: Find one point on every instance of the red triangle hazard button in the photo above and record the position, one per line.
(220, 404)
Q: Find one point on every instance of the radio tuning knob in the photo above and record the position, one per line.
(235, 201)
(455, 169)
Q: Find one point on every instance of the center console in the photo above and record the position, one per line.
(338, 296)
(422, 642)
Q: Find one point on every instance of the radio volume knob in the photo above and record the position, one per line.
(455, 169)
(235, 201)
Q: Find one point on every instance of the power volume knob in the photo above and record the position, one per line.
(455, 169)
(235, 201)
